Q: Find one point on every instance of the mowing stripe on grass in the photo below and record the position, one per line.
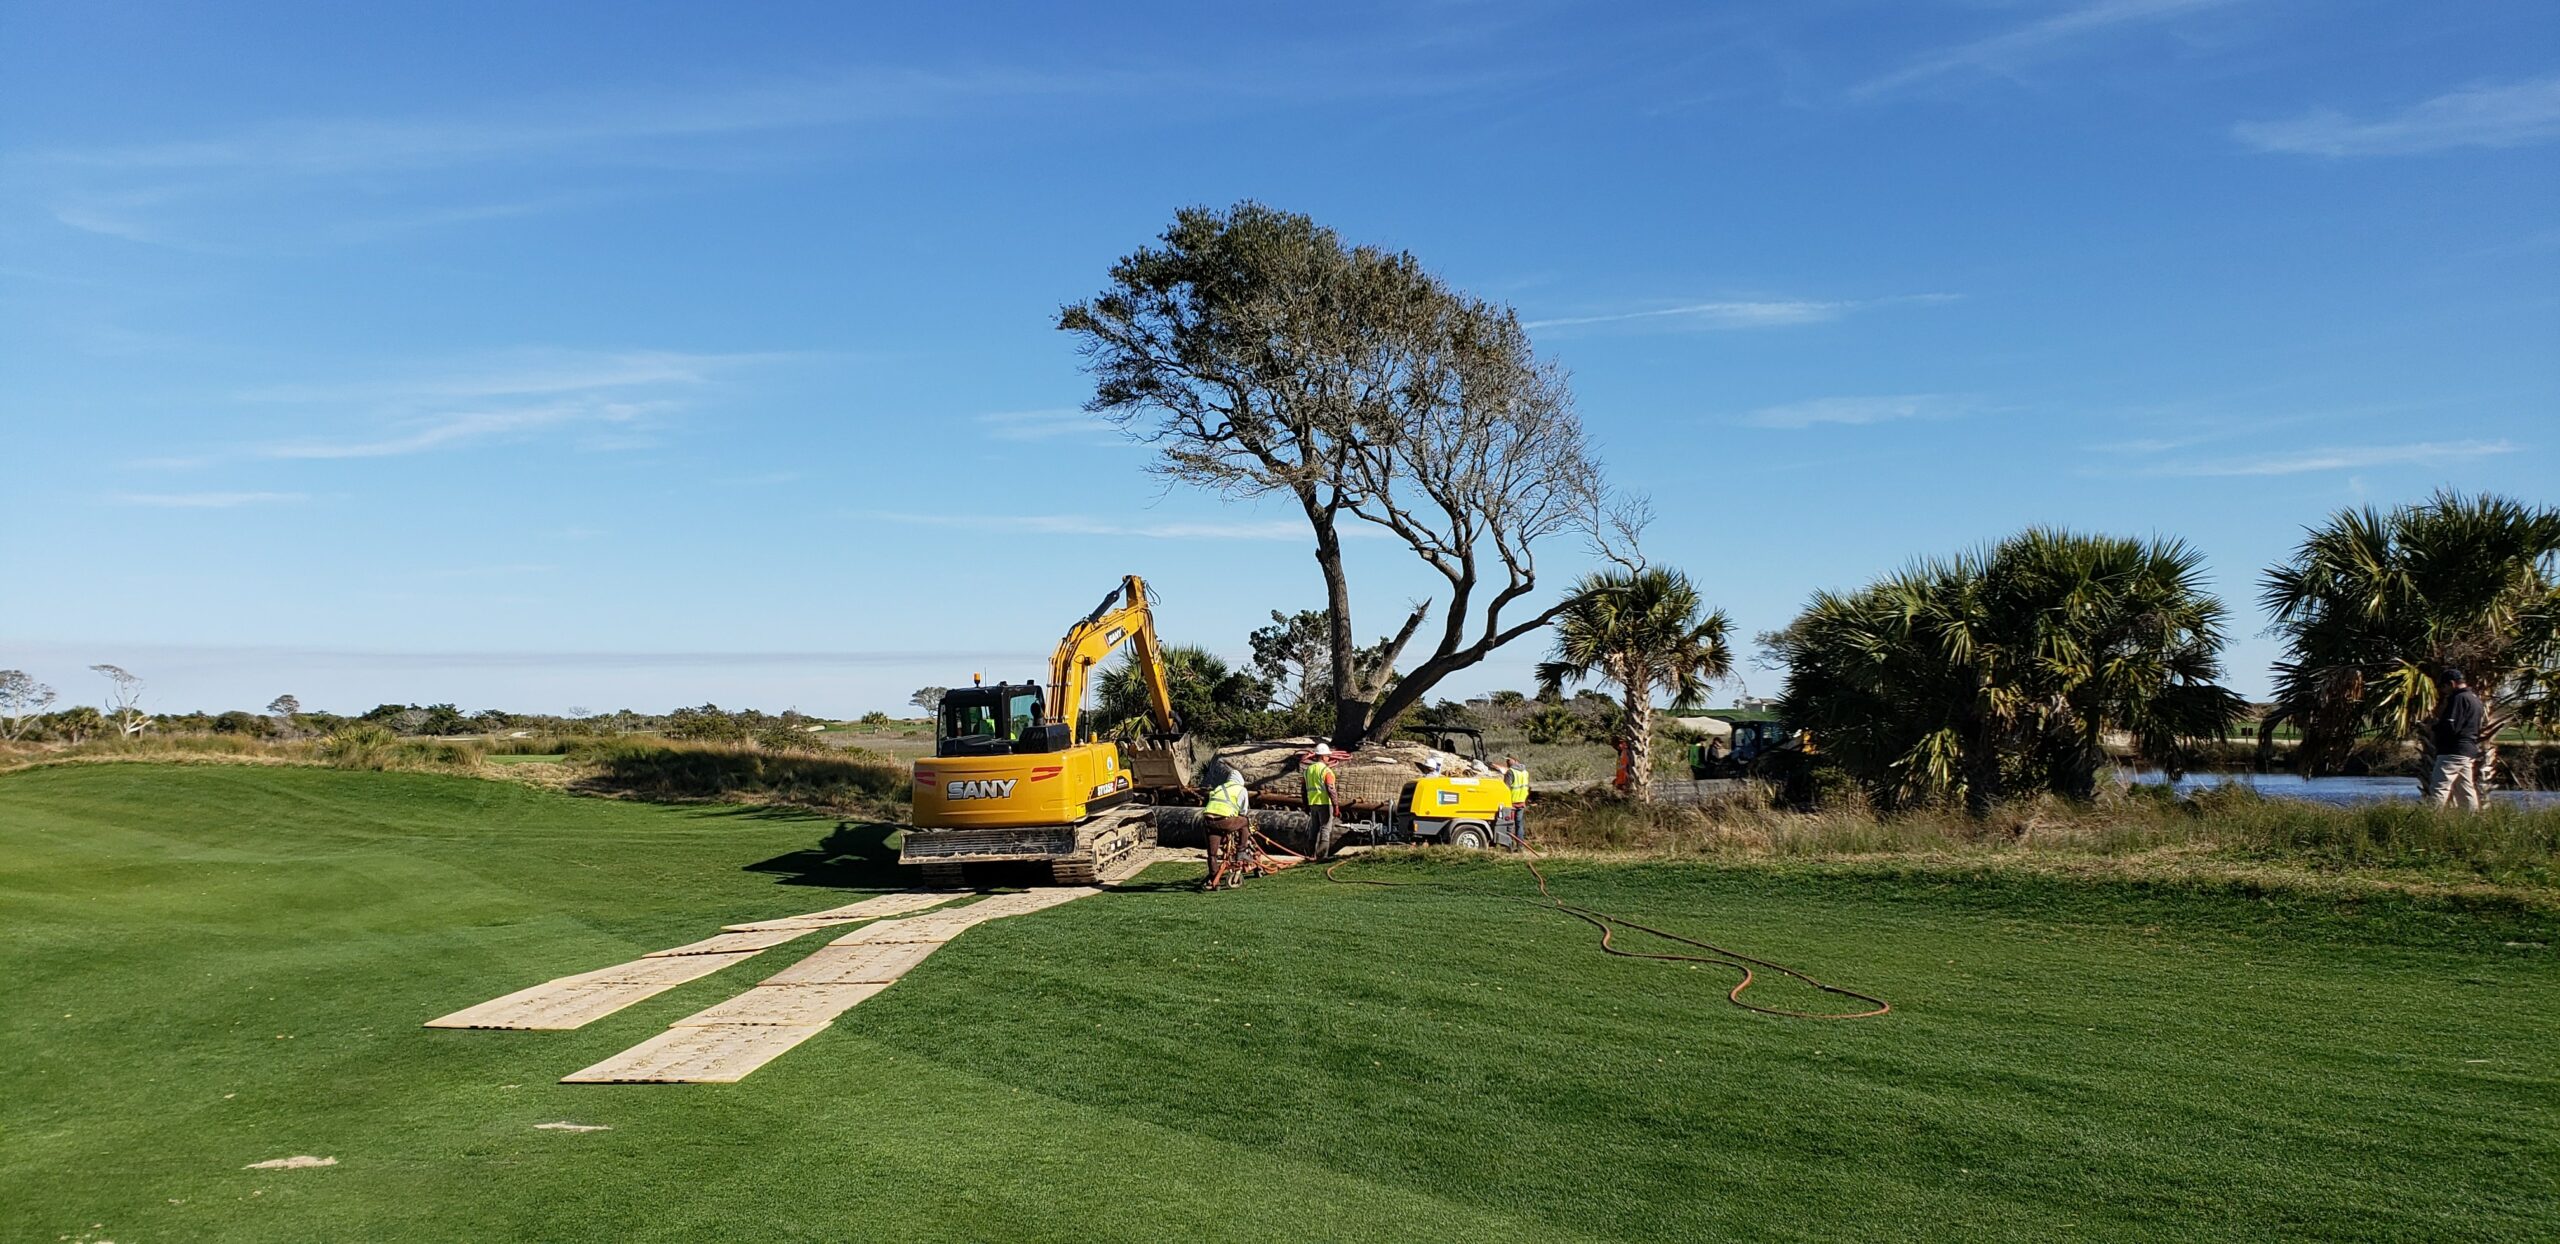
(721, 1044)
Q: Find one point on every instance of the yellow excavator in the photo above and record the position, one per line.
(1015, 778)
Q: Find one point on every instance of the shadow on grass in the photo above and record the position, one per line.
(863, 855)
(855, 855)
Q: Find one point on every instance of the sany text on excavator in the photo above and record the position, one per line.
(1014, 778)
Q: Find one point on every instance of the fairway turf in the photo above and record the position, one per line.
(208, 967)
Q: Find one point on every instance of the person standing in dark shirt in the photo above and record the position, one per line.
(2459, 723)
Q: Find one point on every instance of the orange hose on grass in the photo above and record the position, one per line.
(1603, 921)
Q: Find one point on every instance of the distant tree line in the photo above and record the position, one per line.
(26, 715)
(2013, 670)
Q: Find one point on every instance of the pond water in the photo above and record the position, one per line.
(2338, 790)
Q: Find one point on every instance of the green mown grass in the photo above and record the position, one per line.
(211, 966)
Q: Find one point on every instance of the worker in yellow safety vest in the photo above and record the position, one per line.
(1320, 792)
(1515, 777)
(1224, 816)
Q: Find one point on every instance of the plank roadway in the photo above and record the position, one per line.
(575, 1001)
(725, 1042)
(698, 1054)
(868, 909)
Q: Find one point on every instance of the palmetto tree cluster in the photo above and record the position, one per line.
(1642, 630)
(2003, 672)
(2375, 606)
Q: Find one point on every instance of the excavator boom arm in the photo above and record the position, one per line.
(1123, 616)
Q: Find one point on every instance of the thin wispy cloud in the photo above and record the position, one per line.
(1736, 313)
(204, 500)
(594, 125)
(1047, 425)
(2515, 114)
(501, 570)
(461, 428)
(602, 398)
(520, 374)
(1859, 411)
(594, 400)
(306, 183)
(1087, 525)
(2232, 427)
(2343, 458)
(2021, 46)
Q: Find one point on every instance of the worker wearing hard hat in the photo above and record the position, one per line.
(1225, 818)
(1321, 791)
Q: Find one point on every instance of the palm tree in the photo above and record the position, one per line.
(1640, 630)
(1997, 672)
(2374, 607)
(1218, 704)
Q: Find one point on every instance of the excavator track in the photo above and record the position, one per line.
(941, 876)
(1110, 841)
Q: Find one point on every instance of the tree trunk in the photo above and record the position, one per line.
(1350, 707)
(2485, 765)
(1639, 710)
(2091, 757)
(2267, 742)
(1982, 761)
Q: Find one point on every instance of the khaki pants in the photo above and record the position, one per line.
(2456, 782)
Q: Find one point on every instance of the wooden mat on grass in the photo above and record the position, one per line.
(576, 1001)
(721, 1044)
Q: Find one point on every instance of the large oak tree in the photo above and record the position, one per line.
(1263, 356)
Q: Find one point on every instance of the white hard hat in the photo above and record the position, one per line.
(1431, 763)
(1324, 749)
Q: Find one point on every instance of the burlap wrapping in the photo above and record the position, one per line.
(1374, 775)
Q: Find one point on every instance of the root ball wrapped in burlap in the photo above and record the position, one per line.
(1374, 775)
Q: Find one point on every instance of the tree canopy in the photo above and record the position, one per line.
(21, 698)
(1998, 673)
(1262, 356)
(1294, 657)
(1217, 703)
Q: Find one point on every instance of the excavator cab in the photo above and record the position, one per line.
(1005, 719)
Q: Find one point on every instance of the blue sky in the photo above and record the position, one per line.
(643, 354)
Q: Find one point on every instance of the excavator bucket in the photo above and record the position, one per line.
(1163, 762)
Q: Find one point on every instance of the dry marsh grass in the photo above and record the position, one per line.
(2229, 826)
